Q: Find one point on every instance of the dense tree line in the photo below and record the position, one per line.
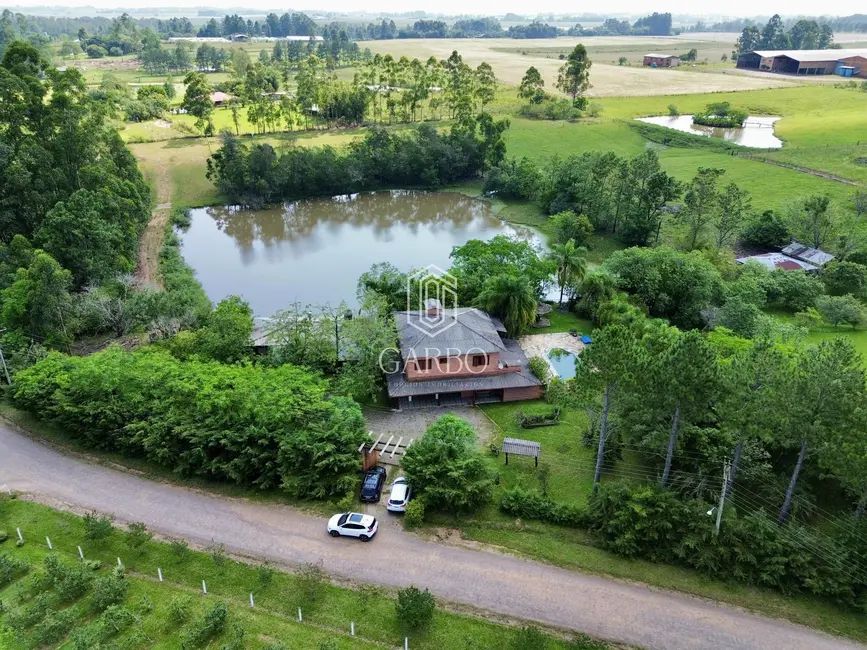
(655, 24)
(72, 201)
(201, 418)
(802, 35)
(257, 174)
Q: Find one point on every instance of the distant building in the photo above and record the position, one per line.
(774, 261)
(661, 60)
(467, 360)
(847, 63)
(807, 254)
(219, 98)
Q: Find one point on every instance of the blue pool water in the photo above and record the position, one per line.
(563, 362)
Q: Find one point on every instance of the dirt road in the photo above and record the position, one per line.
(507, 585)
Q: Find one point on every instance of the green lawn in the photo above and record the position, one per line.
(273, 619)
(858, 336)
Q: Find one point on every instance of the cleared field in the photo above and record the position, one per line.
(506, 57)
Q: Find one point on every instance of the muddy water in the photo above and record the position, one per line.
(757, 131)
(314, 251)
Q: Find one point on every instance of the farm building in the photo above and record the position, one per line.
(661, 60)
(806, 254)
(849, 63)
(773, 261)
(219, 98)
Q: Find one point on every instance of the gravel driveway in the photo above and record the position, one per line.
(508, 585)
(414, 422)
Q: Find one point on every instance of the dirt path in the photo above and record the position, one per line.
(605, 608)
(147, 272)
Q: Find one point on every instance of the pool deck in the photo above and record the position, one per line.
(538, 345)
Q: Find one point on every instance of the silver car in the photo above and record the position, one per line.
(400, 495)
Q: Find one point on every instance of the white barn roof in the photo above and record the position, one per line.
(812, 55)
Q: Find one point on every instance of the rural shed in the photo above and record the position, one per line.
(800, 62)
(661, 60)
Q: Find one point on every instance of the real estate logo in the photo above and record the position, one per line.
(433, 293)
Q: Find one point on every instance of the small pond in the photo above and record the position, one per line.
(563, 363)
(758, 131)
(314, 251)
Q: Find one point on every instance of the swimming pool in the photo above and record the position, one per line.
(563, 362)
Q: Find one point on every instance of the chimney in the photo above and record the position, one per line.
(432, 308)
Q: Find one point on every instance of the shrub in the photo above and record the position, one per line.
(540, 369)
(97, 527)
(794, 290)
(116, 619)
(721, 114)
(54, 626)
(414, 515)
(673, 111)
(180, 549)
(514, 179)
(179, 609)
(266, 574)
(206, 628)
(4, 535)
(10, 568)
(530, 638)
(414, 608)
(531, 504)
(109, 590)
(218, 555)
(841, 309)
(766, 230)
(137, 535)
(311, 583)
(70, 582)
(584, 642)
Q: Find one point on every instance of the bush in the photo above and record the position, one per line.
(414, 515)
(206, 628)
(10, 568)
(180, 549)
(552, 109)
(766, 230)
(532, 504)
(794, 290)
(842, 309)
(721, 114)
(266, 574)
(137, 535)
(179, 609)
(530, 638)
(70, 582)
(97, 527)
(54, 627)
(514, 179)
(540, 369)
(218, 554)
(414, 608)
(311, 584)
(109, 590)
(4, 535)
(673, 111)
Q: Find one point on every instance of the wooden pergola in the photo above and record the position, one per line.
(522, 448)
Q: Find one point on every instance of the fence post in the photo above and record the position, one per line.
(48, 541)
(406, 643)
(119, 563)
(204, 588)
(352, 628)
(252, 604)
(80, 553)
(20, 536)
(300, 620)
(160, 574)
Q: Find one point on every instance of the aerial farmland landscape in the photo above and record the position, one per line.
(435, 327)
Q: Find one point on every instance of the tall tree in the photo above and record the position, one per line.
(532, 86)
(197, 101)
(571, 265)
(573, 77)
(812, 220)
(701, 203)
(825, 390)
(512, 299)
(687, 375)
(613, 361)
(734, 206)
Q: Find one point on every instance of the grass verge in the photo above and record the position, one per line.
(327, 608)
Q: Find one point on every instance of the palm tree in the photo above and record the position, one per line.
(596, 288)
(571, 264)
(512, 299)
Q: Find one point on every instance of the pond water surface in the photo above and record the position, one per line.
(314, 251)
(758, 131)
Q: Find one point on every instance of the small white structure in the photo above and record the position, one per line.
(774, 261)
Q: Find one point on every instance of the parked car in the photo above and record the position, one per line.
(371, 486)
(353, 524)
(400, 495)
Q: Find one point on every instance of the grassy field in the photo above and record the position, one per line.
(327, 608)
(858, 336)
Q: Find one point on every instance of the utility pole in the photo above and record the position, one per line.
(722, 496)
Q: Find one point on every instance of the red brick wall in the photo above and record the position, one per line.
(456, 366)
(516, 394)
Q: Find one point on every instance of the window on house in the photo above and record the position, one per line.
(479, 360)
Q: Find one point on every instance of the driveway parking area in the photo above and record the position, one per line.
(413, 423)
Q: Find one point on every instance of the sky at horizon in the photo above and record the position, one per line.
(733, 8)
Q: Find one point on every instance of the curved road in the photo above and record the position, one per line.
(600, 607)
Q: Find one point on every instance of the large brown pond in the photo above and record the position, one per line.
(314, 251)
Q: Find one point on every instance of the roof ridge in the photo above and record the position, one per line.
(499, 342)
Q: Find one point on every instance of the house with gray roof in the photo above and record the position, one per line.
(457, 356)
